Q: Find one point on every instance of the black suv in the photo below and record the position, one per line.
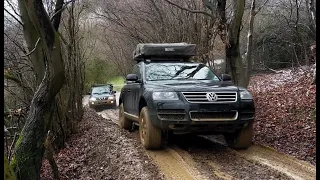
(169, 93)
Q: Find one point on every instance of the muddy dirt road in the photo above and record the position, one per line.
(208, 157)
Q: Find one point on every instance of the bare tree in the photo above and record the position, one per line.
(313, 50)
(47, 53)
(229, 32)
(312, 12)
(253, 13)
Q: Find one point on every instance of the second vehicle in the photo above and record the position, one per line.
(101, 96)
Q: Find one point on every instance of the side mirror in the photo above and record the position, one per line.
(132, 77)
(225, 77)
(114, 92)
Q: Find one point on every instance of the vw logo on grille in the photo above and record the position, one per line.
(211, 96)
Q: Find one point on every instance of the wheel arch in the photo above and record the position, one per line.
(142, 103)
(120, 100)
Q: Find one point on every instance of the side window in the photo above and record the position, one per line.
(136, 70)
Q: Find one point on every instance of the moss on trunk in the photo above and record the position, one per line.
(8, 172)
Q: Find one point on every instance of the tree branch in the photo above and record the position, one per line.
(56, 17)
(13, 17)
(35, 47)
(209, 5)
(256, 11)
(190, 10)
(16, 95)
(13, 9)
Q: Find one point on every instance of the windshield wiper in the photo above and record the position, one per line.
(159, 79)
(203, 79)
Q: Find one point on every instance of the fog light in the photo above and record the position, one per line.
(92, 102)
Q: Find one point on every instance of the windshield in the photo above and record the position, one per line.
(101, 90)
(180, 71)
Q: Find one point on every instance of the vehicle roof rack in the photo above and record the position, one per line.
(164, 52)
(98, 85)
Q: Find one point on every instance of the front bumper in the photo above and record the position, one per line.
(102, 102)
(184, 117)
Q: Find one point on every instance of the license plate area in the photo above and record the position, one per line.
(213, 115)
(214, 107)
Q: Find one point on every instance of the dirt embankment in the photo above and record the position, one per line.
(101, 150)
(286, 112)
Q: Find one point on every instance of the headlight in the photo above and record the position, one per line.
(165, 96)
(111, 98)
(92, 99)
(245, 95)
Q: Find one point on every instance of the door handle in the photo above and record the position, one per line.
(129, 90)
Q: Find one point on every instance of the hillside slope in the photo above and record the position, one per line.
(286, 112)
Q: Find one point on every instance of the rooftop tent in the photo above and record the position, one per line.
(164, 50)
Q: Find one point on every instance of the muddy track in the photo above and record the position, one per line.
(207, 157)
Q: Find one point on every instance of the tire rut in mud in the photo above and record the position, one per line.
(220, 162)
(290, 166)
(203, 157)
(116, 154)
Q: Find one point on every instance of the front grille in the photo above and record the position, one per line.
(102, 98)
(171, 114)
(171, 111)
(201, 97)
(213, 116)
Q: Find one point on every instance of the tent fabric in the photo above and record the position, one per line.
(150, 50)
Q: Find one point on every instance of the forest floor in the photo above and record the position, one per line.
(286, 112)
(285, 121)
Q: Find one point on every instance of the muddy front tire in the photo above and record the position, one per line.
(241, 139)
(92, 107)
(114, 105)
(124, 122)
(150, 136)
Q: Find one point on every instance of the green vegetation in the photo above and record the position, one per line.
(98, 71)
(118, 82)
(8, 172)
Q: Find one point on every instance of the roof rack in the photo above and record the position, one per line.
(164, 51)
(98, 85)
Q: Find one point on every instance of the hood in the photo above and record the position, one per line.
(192, 85)
(101, 95)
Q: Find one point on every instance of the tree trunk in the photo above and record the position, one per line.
(314, 74)
(249, 43)
(312, 13)
(49, 156)
(233, 58)
(314, 55)
(30, 148)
